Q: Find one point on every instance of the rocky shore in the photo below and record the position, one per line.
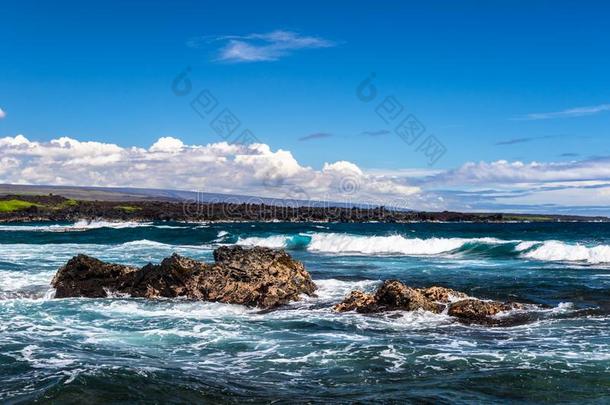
(28, 208)
(393, 295)
(258, 277)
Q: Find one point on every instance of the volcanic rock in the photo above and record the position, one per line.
(358, 301)
(393, 295)
(86, 276)
(479, 311)
(259, 277)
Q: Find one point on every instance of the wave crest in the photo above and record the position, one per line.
(562, 252)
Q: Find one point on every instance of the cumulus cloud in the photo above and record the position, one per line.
(569, 113)
(169, 163)
(269, 46)
(257, 170)
(2, 113)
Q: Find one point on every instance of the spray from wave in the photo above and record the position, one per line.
(557, 251)
(82, 225)
(336, 243)
(368, 245)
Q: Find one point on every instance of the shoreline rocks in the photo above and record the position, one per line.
(393, 295)
(259, 277)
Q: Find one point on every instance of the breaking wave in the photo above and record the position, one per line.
(359, 244)
(563, 252)
(81, 225)
(337, 243)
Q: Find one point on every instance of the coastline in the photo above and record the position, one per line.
(16, 208)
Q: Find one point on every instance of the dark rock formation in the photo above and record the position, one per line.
(57, 208)
(358, 301)
(259, 277)
(85, 276)
(393, 295)
(442, 294)
(479, 311)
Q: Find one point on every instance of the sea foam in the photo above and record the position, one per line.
(369, 245)
(559, 251)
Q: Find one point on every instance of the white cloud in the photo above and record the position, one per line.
(167, 144)
(169, 163)
(269, 46)
(526, 187)
(257, 170)
(569, 113)
(2, 113)
(511, 174)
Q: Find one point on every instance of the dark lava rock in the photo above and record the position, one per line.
(259, 277)
(85, 276)
(393, 295)
(475, 310)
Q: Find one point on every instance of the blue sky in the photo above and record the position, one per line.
(521, 81)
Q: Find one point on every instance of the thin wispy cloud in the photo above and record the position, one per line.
(2, 113)
(376, 133)
(263, 47)
(569, 113)
(514, 141)
(316, 135)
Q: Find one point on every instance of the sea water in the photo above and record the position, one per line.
(123, 349)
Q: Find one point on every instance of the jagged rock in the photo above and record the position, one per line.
(256, 277)
(85, 276)
(391, 295)
(441, 294)
(176, 276)
(479, 311)
(394, 295)
(357, 301)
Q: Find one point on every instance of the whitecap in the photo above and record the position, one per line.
(372, 245)
(559, 251)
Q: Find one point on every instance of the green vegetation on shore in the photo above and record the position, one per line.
(53, 207)
(128, 208)
(528, 218)
(15, 205)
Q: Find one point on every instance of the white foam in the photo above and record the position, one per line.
(559, 251)
(276, 241)
(333, 289)
(525, 245)
(81, 225)
(361, 244)
(179, 309)
(17, 280)
(393, 244)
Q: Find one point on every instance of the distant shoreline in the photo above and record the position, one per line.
(24, 208)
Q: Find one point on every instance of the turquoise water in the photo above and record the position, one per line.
(125, 350)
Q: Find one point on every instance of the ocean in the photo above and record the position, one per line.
(129, 350)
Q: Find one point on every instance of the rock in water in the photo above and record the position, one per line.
(393, 295)
(479, 311)
(259, 277)
(85, 276)
(442, 294)
(358, 301)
